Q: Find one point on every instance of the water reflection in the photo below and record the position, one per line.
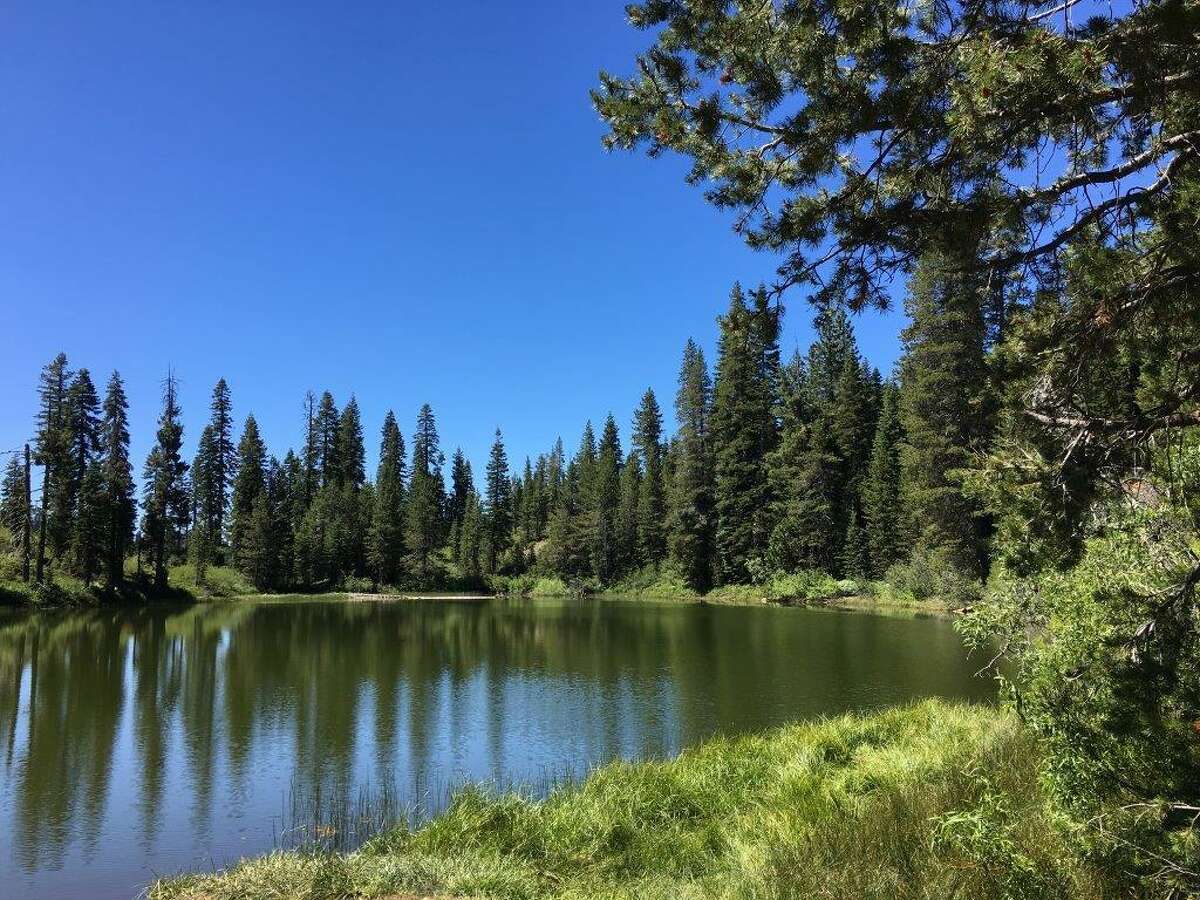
(148, 740)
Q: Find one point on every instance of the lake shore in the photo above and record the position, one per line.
(888, 804)
(226, 586)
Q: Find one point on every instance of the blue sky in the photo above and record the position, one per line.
(404, 201)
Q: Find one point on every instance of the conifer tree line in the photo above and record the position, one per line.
(813, 463)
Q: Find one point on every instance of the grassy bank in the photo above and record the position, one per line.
(800, 588)
(66, 590)
(931, 800)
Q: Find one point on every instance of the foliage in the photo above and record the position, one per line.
(1108, 674)
(934, 573)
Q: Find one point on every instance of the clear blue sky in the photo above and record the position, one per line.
(405, 201)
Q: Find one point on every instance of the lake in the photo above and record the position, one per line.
(151, 740)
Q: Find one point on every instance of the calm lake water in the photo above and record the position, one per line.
(147, 741)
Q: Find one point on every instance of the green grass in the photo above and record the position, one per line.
(927, 801)
(219, 582)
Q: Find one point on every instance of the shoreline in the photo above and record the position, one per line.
(843, 807)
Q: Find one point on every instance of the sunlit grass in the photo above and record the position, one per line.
(849, 807)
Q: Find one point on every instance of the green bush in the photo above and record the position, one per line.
(654, 583)
(933, 574)
(802, 585)
(353, 584)
(1106, 655)
(219, 582)
(549, 587)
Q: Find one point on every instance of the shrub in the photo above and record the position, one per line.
(933, 573)
(803, 585)
(352, 584)
(549, 587)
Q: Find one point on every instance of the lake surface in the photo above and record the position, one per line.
(147, 741)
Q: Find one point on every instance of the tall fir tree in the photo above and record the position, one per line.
(83, 423)
(632, 487)
(945, 407)
(166, 506)
(385, 551)
(53, 454)
(350, 452)
(881, 490)
(325, 434)
(744, 432)
(470, 541)
(691, 517)
(606, 492)
(248, 486)
(13, 501)
(75, 528)
(206, 498)
(426, 492)
(462, 482)
(498, 509)
(222, 460)
(310, 453)
(652, 495)
(120, 508)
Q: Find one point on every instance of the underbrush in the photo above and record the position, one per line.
(931, 800)
(803, 586)
(60, 589)
(219, 582)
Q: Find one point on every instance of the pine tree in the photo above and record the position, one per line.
(426, 491)
(88, 537)
(310, 454)
(287, 500)
(585, 468)
(325, 433)
(462, 482)
(247, 487)
(470, 544)
(53, 454)
(498, 509)
(530, 512)
(567, 548)
(263, 543)
(117, 480)
(881, 490)
(854, 560)
(691, 514)
(13, 501)
(386, 542)
(556, 474)
(744, 432)
(652, 502)
(606, 493)
(943, 408)
(165, 495)
(827, 413)
(83, 423)
(222, 460)
(629, 504)
(350, 452)
(805, 536)
(206, 498)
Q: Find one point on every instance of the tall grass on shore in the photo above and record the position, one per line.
(931, 800)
